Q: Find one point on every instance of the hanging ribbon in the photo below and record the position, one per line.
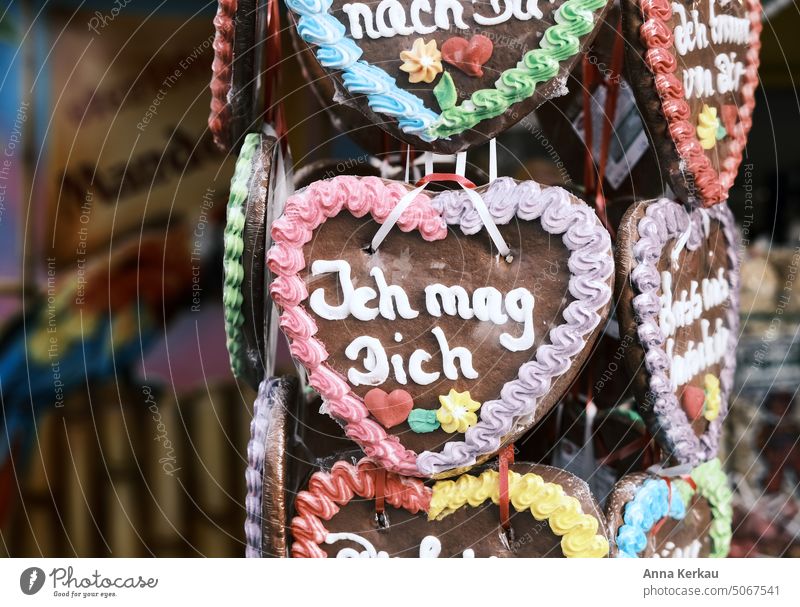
(273, 56)
(591, 78)
(505, 458)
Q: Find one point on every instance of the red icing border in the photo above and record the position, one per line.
(328, 491)
(657, 36)
(219, 118)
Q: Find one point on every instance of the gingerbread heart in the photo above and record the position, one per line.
(677, 274)
(552, 514)
(468, 55)
(386, 58)
(259, 186)
(690, 517)
(688, 61)
(484, 345)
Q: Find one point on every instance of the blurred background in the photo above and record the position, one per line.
(124, 432)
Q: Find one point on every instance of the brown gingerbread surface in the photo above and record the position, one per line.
(539, 264)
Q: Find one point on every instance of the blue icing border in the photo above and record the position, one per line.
(650, 504)
(335, 51)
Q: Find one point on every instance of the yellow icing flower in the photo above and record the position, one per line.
(457, 412)
(707, 126)
(713, 397)
(423, 62)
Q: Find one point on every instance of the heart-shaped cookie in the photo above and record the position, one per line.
(689, 517)
(386, 57)
(552, 514)
(484, 345)
(691, 62)
(678, 279)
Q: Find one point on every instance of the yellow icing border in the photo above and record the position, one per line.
(546, 501)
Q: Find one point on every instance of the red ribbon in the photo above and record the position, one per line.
(591, 76)
(506, 458)
(437, 177)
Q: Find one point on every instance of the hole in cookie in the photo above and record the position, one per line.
(367, 248)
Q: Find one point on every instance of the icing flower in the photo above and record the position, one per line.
(713, 397)
(423, 62)
(457, 412)
(707, 127)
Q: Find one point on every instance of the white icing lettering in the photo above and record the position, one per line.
(487, 304)
(519, 305)
(389, 293)
(730, 72)
(388, 18)
(727, 29)
(353, 300)
(353, 12)
(698, 82)
(416, 372)
(449, 357)
(376, 365)
(417, 7)
(689, 35)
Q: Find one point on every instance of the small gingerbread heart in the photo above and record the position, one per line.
(468, 55)
(389, 409)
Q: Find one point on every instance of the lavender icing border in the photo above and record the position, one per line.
(663, 221)
(592, 268)
(256, 459)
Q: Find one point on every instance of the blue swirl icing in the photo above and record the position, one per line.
(337, 52)
(650, 504)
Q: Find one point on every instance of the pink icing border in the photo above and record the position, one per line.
(657, 36)
(304, 212)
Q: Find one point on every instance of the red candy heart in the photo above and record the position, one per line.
(468, 56)
(730, 116)
(693, 399)
(389, 409)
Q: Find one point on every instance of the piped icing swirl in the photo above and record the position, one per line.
(232, 297)
(546, 501)
(652, 502)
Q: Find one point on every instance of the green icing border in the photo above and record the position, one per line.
(712, 484)
(233, 270)
(574, 19)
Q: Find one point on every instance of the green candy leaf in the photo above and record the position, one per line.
(721, 132)
(423, 421)
(445, 92)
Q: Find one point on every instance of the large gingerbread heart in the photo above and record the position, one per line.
(694, 65)
(678, 278)
(386, 58)
(484, 345)
(655, 517)
(552, 514)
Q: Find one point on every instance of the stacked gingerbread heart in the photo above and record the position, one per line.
(453, 332)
